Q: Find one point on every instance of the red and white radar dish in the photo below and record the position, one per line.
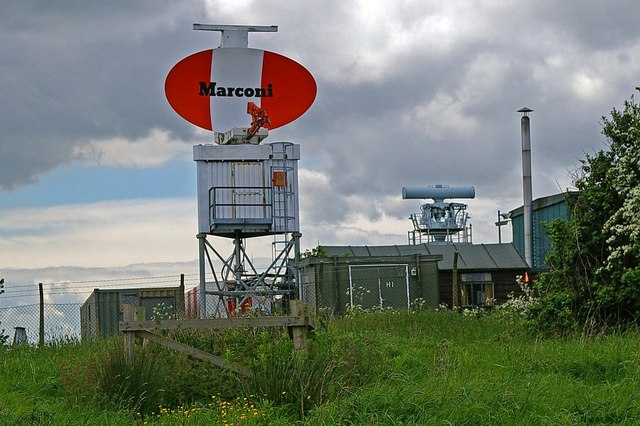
(212, 88)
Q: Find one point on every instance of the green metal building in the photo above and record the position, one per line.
(544, 210)
(381, 276)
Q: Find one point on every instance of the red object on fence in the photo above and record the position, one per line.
(192, 303)
(232, 305)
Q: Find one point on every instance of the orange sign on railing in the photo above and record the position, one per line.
(279, 179)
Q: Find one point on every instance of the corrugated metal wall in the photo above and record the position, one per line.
(540, 239)
(252, 187)
(102, 311)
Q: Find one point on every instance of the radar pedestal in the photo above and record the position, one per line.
(439, 222)
(247, 191)
(240, 136)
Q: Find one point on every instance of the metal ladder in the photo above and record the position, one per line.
(281, 196)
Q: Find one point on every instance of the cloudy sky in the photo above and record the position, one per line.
(97, 180)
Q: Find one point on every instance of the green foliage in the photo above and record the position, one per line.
(518, 306)
(34, 393)
(595, 265)
(444, 368)
(163, 311)
(384, 367)
(156, 377)
(4, 339)
(328, 368)
(106, 379)
(314, 252)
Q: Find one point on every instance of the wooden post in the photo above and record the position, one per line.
(180, 308)
(298, 333)
(455, 287)
(41, 340)
(340, 309)
(128, 314)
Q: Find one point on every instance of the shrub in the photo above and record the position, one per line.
(594, 263)
(302, 380)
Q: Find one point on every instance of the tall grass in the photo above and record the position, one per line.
(33, 392)
(394, 367)
(464, 370)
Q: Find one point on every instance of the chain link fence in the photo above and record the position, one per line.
(73, 321)
(331, 288)
(22, 323)
(100, 318)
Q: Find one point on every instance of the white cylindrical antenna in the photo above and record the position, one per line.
(438, 192)
(236, 35)
(526, 185)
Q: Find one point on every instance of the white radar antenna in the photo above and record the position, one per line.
(440, 221)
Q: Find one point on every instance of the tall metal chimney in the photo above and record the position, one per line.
(526, 185)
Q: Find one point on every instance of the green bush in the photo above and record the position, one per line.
(594, 276)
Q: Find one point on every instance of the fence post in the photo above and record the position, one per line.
(180, 302)
(41, 339)
(298, 333)
(454, 281)
(128, 314)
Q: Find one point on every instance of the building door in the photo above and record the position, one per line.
(379, 286)
(248, 195)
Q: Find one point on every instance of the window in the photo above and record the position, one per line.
(476, 289)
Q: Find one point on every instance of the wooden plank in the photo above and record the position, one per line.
(139, 313)
(216, 323)
(193, 352)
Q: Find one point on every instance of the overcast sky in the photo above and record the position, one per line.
(96, 173)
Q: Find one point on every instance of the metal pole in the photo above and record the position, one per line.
(502, 221)
(203, 272)
(296, 260)
(41, 339)
(238, 267)
(526, 184)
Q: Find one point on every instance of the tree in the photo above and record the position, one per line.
(595, 262)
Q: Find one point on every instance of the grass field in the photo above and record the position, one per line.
(386, 368)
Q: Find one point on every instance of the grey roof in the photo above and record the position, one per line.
(470, 256)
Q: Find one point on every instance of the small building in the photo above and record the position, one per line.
(487, 273)
(371, 277)
(544, 210)
(102, 311)
(396, 276)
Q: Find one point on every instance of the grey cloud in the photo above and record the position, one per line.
(70, 74)
(438, 110)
